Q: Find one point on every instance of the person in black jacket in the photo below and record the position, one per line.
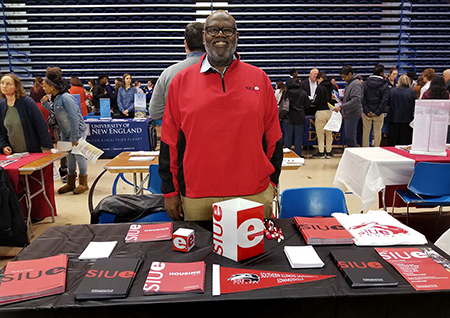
(374, 102)
(99, 91)
(402, 100)
(324, 93)
(309, 85)
(294, 122)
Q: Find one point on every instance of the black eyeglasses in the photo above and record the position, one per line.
(214, 31)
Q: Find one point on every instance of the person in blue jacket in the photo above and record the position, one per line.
(71, 124)
(125, 97)
(23, 127)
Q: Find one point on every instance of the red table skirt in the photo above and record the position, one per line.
(40, 207)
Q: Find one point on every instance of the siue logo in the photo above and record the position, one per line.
(238, 229)
(109, 274)
(252, 88)
(319, 227)
(31, 275)
(377, 229)
(154, 277)
(361, 265)
(183, 240)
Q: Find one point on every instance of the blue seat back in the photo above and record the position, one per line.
(154, 181)
(106, 217)
(310, 202)
(432, 179)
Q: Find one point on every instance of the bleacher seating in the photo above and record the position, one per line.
(144, 37)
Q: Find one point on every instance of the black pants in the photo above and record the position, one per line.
(400, 134)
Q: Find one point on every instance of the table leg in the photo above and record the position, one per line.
(29, 204)
(29, 197)
(91, 191)
(277, 201)
(44, 193)
(383, 198)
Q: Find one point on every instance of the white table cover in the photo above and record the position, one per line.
(366, 171)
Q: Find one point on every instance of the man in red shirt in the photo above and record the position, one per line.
(221, 136)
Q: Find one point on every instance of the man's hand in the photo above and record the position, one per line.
(174, 208)
(337, 108)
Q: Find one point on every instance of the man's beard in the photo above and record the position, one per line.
(220, 60)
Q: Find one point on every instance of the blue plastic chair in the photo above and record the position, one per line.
(311, 202)
(106, 217)
(154, 181)
(429, 186)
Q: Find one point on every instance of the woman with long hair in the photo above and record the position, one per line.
(71, 124)
(125, 97)
(280, 88)
(402, 100)
(37, 91)
(78, 89)
(22, 125)
(437, 90)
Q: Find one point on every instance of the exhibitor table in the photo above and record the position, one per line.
(332, 297)
(114, 136)
(122, 164)
(36, 169)
(369, 170)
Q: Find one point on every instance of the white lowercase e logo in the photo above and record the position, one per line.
(250, 233)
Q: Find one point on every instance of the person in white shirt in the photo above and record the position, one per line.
(310, 86)
(428, 75)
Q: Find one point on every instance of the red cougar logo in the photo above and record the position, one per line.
(377, 229)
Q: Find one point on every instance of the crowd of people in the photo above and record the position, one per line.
(383, 103)
(215, 100)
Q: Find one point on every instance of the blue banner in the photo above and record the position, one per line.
(114, 136)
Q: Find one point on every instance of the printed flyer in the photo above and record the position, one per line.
(422, 267)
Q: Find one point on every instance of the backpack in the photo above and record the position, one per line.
(283, 108)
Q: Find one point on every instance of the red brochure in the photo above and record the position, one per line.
(422, 267)
(149, 232)
(33, 278)
(173, 278)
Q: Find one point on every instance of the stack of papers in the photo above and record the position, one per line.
(18, 155)
(98, 250)
(303, 257)
(144, 153)
(293, 161)
(34, 278)
(141, 158)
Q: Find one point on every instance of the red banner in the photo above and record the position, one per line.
(234, 280)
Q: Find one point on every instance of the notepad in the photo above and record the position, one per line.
(144, 153)
(141, 158)
(96, 250)
(303, 257)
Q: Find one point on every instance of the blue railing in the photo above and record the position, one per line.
(403, 51)
(12, 54)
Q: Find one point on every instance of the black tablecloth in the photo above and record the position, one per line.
(324, 298)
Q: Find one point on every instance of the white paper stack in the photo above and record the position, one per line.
(303, 257)
(98, 250)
